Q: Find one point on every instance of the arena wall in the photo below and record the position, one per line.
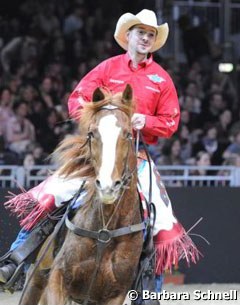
(220, 209)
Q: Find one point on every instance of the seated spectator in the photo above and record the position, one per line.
(186, 143)
(59, 75)
(27, 93)
(19, 130)
(171, 155)
(227, 87)
(197, 76)
(202, 159)
(209, 142)
(235, 162)
(236, 123)
(6, 111)
(37, 117)
(47, 94)
(223, 127)
(191, 99)
(214, 106)
(6, 158)
(28, 164)
(28, 161)
(14, 84)
(190, 120)
(233, 149)
(40, 158)
(52, 132)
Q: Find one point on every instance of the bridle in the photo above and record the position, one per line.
(104, 236)
(127, 173)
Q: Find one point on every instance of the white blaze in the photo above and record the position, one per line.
(109, 132)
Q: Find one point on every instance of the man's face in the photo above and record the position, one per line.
(141, 39)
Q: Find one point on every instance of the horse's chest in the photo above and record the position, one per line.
(115, 273)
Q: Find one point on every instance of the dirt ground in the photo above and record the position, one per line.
(198, 294)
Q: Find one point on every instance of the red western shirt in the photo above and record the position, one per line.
(153, 91)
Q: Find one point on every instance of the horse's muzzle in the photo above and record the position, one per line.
(108, 195)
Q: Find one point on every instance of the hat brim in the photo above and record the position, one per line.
(128, 20)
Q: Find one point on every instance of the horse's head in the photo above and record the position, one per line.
(110, 138)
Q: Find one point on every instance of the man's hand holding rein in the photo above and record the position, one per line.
(138, 121)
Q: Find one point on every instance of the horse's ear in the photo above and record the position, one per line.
(127, 93)
(98, 95)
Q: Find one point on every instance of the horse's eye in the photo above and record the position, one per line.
(90, 135)
(129, 136)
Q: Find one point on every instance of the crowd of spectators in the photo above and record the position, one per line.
(45, 49)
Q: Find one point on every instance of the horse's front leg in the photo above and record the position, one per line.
(34, 289)
(56, 292)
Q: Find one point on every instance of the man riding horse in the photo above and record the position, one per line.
(156, 116)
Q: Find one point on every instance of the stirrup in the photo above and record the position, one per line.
(9, 286)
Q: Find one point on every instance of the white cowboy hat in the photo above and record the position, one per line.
(146, 17)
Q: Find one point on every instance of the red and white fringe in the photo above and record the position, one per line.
(170, 251)
(29, 209)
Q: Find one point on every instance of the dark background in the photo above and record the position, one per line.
(220, 209)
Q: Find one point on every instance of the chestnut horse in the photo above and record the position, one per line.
(97, 267)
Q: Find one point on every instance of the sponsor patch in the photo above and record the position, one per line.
(156, 78)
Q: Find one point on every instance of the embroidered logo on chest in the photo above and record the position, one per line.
(156, 78)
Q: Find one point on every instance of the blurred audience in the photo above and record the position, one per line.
(45, 49)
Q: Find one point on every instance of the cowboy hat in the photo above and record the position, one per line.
(145, 17)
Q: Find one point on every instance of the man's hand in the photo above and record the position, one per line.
(138, 121)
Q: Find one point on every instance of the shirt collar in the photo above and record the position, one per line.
(142, 64)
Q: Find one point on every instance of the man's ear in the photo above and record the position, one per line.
(127, 35)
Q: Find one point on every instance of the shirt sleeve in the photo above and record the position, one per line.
(85, 88)
(166, 119)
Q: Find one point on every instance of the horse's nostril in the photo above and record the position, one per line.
(117, 184)
(98, 184)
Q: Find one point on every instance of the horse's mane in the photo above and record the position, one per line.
(72, 156)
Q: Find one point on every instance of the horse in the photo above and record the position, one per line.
(97, 267)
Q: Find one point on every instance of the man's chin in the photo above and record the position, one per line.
(143, 51)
